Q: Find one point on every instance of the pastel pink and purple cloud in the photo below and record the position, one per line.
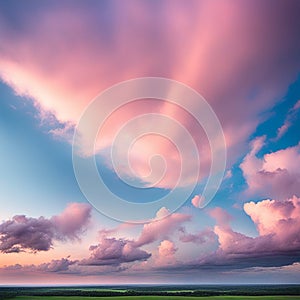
(37, 234)
(160, 229)
(276, 174)
(112, 251)
(278, 241)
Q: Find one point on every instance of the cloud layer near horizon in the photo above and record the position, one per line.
(277, 244)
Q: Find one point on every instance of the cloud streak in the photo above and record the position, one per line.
(54, 266)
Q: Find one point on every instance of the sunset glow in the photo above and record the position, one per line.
(220, 142)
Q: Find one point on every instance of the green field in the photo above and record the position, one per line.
(135, 292)
(161, 298)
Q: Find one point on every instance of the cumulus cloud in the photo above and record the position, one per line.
(161, 229)
(278, 242)
(22, 233)
(112, 251)
(167, 249)
(166, 253)
(274, 175)
(281, 219)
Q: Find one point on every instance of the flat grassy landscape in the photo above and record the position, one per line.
(150, 292)
(161, 298)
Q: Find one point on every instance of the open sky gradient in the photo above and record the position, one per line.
(243, 57)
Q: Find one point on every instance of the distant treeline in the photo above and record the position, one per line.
(192, 291)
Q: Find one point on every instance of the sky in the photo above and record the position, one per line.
(149, 142)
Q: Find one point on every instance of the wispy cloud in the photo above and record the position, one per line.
(182, 43)
(291, 115)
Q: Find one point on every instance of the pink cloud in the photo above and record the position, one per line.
(64, 64)
(72, 220)
(112, 251)
(220, 215)
(278, 218)
(161, 229)
(283, 129)
(278, 241)
(228, 174)
(166, 253)
(167, 249)
(116, 251)
(236, 251)
(276, 174)
(197, 200)
(277, 244)
(234, 242)
(37, 234)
